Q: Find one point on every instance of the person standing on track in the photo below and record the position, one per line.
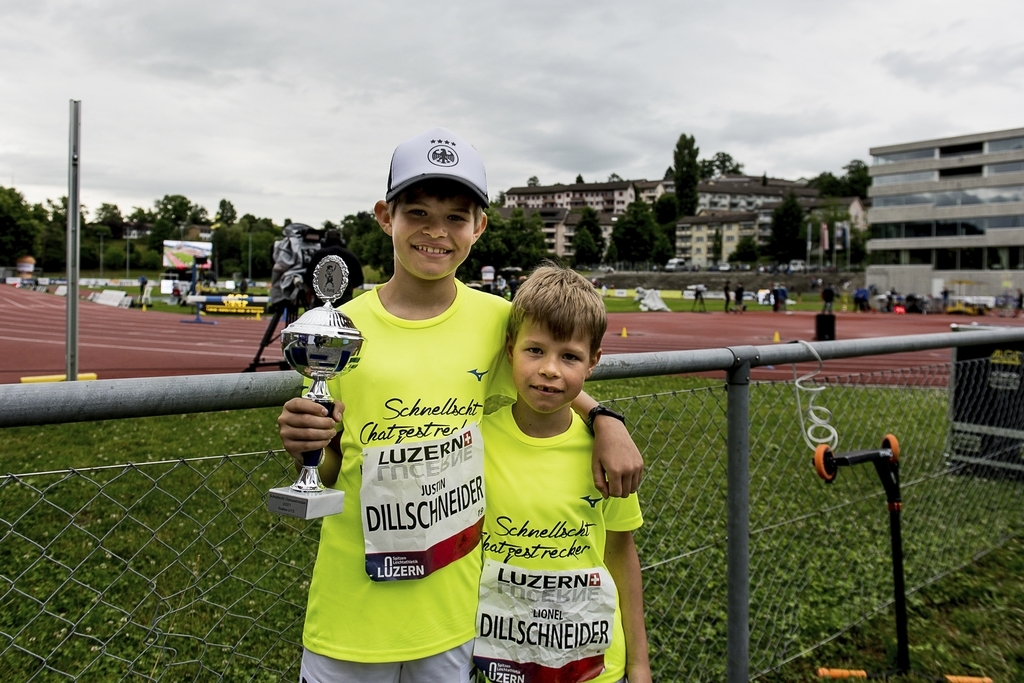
(828, 295)
(728, 293)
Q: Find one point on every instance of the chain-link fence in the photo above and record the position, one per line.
(819, 554)
(174, 571)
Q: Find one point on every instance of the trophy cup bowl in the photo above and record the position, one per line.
(318, 345)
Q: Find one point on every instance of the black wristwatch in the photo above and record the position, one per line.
(602, 410)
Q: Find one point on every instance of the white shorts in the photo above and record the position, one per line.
(453, 665)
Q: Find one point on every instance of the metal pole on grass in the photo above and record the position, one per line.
(71, 342)
(737, 666)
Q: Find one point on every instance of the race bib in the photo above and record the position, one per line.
(543, 627)
(422, 504)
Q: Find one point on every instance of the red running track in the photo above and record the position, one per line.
(115, 342)
(120, 342)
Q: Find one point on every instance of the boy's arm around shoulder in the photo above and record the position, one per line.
(624, 565)
(616, 464)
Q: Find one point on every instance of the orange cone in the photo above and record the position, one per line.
(623, 334)
(776, 338)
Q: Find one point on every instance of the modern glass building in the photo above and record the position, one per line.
(948, 210)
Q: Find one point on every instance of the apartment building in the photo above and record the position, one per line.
(560, 228)
(695, 235)
(948, 210)
(749, 193)
(556, 238)
(611, 197)
(735, 194)
(739, 205)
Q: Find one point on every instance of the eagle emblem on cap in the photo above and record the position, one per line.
(442, 155)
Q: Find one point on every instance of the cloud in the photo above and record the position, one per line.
(775, 128)
(962, 67)
(293, 109)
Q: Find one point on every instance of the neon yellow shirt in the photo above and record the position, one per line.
(544, 513)
(413, 378)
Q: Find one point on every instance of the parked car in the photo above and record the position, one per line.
(673, 265)
(797, 265)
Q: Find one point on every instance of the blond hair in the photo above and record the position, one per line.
(561, 300)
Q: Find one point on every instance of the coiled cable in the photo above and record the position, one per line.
(819, 431)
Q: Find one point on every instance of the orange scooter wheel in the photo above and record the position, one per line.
(823, 463)
(892, 444)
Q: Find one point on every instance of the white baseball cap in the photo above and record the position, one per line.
(438, 153)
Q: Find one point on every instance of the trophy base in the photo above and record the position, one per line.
(285, 501)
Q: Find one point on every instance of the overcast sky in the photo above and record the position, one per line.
(292, 109)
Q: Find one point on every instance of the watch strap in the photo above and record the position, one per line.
(602, 410)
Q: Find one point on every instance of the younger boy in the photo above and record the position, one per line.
(560, 594)
(394, 589)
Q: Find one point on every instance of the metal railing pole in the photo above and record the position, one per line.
(73, 236)
(737, 666)
(113, 399)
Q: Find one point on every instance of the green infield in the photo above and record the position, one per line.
(175, 569)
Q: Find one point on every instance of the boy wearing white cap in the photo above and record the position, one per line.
(394, 589)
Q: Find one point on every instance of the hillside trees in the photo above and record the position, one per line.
(664, 244)
(635, 233)
(585, 251)
(516, 242)
(591, 222)
(666, 210)
(747, 250)
(231, 246)
(109, 215)
(20, 224)
(721, 164)
(226, 213)
(371, 245)
(787, 219)
(687, 174)
(854, 183)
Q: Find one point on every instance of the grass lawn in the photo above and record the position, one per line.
(968, 623)
(177, 568)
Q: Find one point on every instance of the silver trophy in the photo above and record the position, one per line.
(319, 345)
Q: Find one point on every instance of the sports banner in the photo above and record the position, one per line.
(422, 504)
(536, 626)
(824, 237)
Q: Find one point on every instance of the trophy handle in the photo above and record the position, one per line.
(312, 458)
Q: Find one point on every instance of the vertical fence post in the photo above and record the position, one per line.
(737, 666)
(74, 235)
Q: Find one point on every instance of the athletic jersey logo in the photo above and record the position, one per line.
(592, 501)
(442, 155)
(479, 374)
